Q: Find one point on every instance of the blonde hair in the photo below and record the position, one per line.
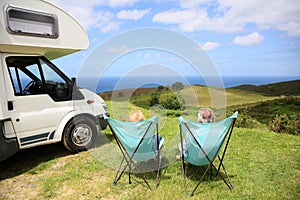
(136, 115)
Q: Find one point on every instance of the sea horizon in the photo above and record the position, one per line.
(110, 83)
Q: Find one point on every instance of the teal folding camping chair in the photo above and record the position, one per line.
(138, 143)
(201, 144)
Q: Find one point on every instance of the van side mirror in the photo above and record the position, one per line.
(73, 85)
(76, 94)
(73, 80)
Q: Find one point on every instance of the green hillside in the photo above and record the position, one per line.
(276, 89)
(256, 105)
(193, 95)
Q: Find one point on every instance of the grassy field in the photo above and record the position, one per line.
(260, 163)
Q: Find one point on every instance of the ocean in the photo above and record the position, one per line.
(109, 83)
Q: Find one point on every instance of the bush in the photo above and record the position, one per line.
(173, 113)
(160, 88)
(285, 124)
(154, 99)
(244, 120)
(177, 86)
(172, 102)
(142, 104)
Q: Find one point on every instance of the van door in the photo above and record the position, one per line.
(40, 96)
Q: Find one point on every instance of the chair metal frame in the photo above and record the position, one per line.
(129, 161)
(210, 165)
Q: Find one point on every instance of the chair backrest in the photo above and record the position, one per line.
(208, 136)
(136, 137)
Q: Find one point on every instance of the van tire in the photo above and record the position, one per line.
(80, 134)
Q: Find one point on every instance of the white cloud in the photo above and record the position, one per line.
(193, 3)
(147, 55)
(118, 50)
(190, 20)
(119, 3)
(132, 14)
(88, 16)
(175, 16)
(210, 46)
(225, 16)
(292, 28)
(229, 16)
(105, 21)
(249, 40)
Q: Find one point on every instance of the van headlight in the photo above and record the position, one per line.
(104, 106)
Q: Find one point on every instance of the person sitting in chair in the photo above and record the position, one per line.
(206, 115)
(137, 115)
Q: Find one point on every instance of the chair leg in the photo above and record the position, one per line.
(158, 169)
(201, 179)
(229, 184)
(117, 177)
(211, 173)
(184, 176)
(129, 177)
(144, 178)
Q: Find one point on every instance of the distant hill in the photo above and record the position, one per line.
(275, 89)
(141, 96)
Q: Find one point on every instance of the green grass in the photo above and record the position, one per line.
(261, 164)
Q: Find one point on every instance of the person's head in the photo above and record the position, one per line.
(206, 115)
(136, 115)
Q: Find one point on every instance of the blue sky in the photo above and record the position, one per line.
(242, 38)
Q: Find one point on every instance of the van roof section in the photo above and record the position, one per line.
(39, 27)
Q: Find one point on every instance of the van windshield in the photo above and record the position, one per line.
(31, 75)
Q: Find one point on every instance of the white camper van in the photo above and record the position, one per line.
(39, 104)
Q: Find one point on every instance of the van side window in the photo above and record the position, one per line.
(30, 22)
(34, 75)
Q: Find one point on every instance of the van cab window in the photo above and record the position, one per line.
(32, 75)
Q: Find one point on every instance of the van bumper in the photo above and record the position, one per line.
(8, 147)
(102, 121)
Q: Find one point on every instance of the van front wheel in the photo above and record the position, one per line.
(80, 134)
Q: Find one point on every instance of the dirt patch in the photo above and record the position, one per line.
(17, 178)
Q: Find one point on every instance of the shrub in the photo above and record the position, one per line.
(120, 94)
(173, 113)
(142, 104)
(160, 88)
(285, 124)
(244, 120)
(177, 86)
(173, 102)
(154, 99)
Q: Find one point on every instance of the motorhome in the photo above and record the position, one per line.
(39, 104)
